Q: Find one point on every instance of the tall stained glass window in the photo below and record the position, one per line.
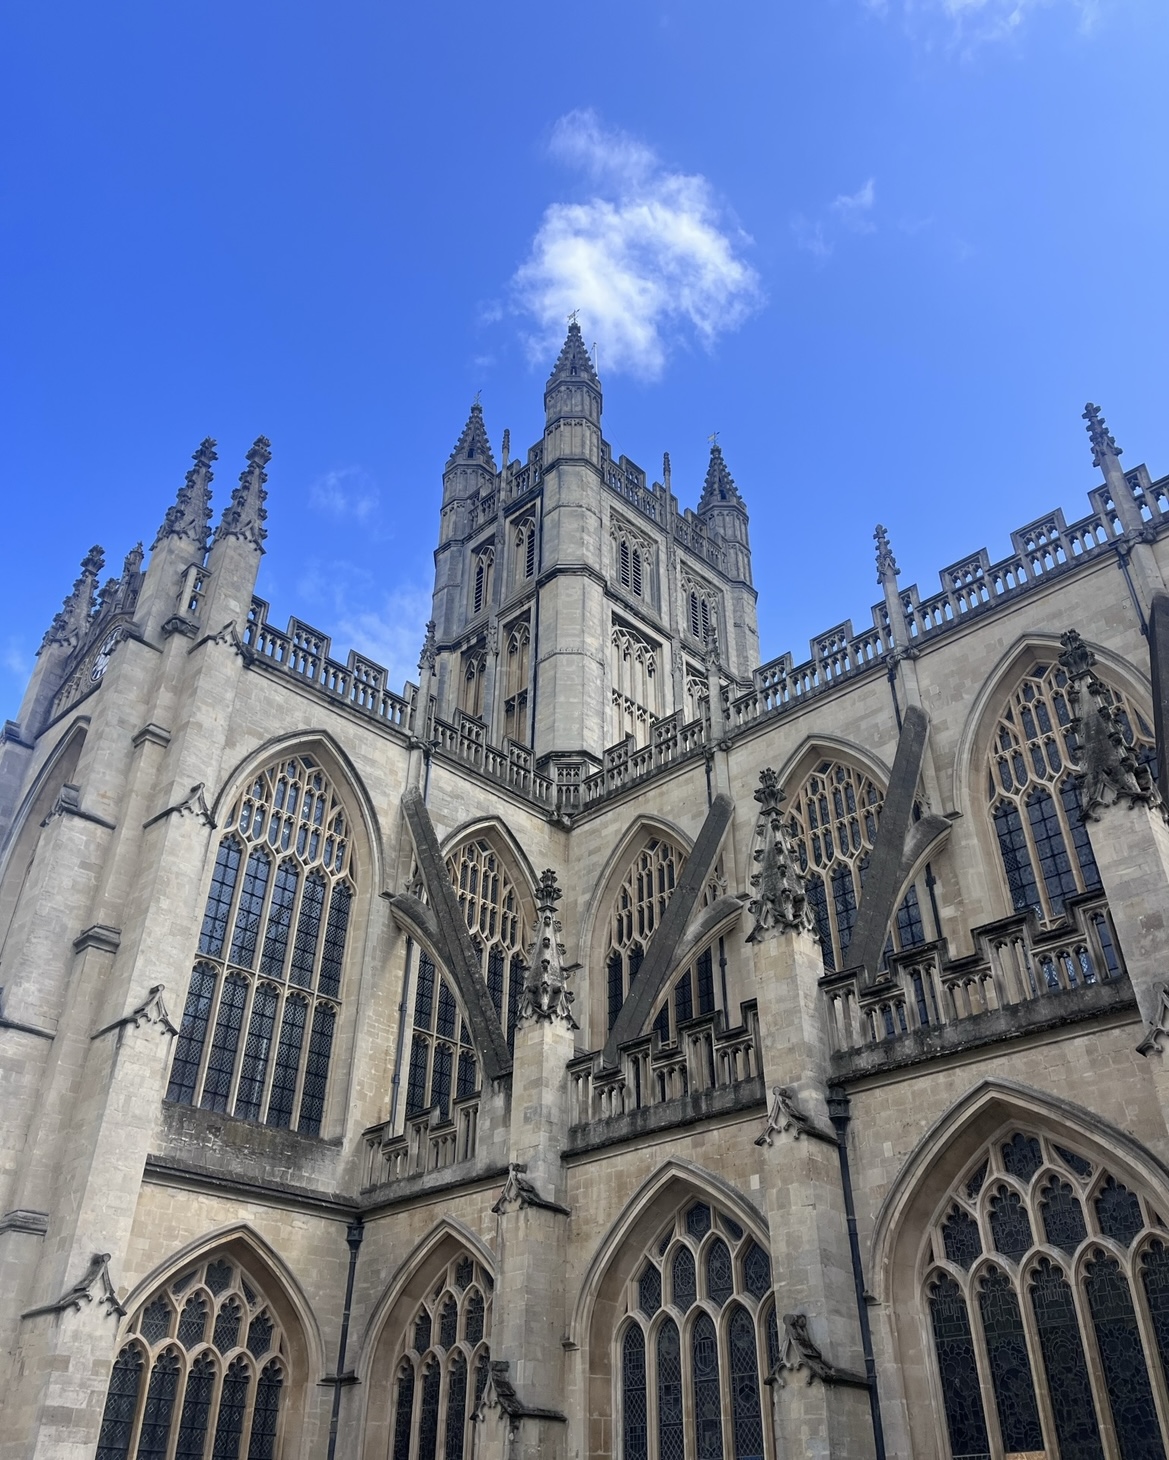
(1045, 1297)
(262, 1005)
(692, 1351)
(202, 1370)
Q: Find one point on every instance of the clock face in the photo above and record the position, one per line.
(102, 662)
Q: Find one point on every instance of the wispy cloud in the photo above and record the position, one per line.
(345, 492)
(649, 259)
(966, 24)
(855, 209)
(385, 625)
(809, 237)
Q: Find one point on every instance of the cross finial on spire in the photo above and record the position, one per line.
(479, 396)
(886, 562)
(713, 438)
(1103, 443)
(573, 317)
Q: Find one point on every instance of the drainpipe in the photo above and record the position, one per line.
(353, 1235)
(838, 1111)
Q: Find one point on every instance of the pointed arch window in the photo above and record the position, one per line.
(833, 823)
(204, 1366)
(262, 1006)
(633, 555)
(634, 661)
(1034, 801)
(525, 550)
(637, 910)
(1043, 1292)
(482, 576)
(701, 615)
(691, 1349)
(473, 689)
(443, 1365)
(517, 672)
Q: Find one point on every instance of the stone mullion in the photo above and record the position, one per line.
(1132, 1269)
(212, 1020)
(242, 1044)
(273, 1046)
(1074, 1276)
(969, 1287)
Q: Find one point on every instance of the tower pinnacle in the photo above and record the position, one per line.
(74, 615)
(245, 514)
(574, 361)
(887, 569)
(1103, 443)
(473, 444)
(719, 488)
(190, 513)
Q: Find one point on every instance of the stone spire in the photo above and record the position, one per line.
(1104, 447)
(73, 619)
(1106, 455)
(246, 514)
(780, 902)
(473, 444)
(719, 489)
(887, 569)
(190, 514)
(574, 361)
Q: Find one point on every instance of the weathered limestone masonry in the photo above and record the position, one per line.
(608, 1046)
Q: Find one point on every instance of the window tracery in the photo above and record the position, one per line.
(525, 550)
(472, 690)
(833, 822)
(701, 612)
(482, 575)
(1044, 1294)
(1032, 794)
(635, 685)
(205, 1363)
(443, 1065)
(444, 1365)
(637, 910)
(633, 560)
(264, 997)
(516, 677)
(692, 1350)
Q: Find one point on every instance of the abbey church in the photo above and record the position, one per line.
(610, 1045)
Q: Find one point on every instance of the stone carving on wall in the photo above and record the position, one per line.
(545, 994)
(1109, 768)
(799, 1351)
(96, 1275)
(787, 1114)
(780, 903)
(520, 1191)
(152, 1010)
(1158, 1028)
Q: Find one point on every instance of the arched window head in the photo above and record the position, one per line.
(443, 1365)
(695, 1342)
(474, 684)
(1034, 802)
(524, 550)
(264, 997)
(204, 1369)
(482, 570)
(1046, 1292)
(702, 613)
(516, 682)
(834, 816)
(637, 910)
(632, 563)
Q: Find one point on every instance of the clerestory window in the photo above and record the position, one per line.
(481, 578)
(264, 997)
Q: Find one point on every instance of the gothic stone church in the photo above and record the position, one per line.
(609, 1046)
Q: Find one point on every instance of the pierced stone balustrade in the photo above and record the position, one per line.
(427, 1144)
(1021, 976)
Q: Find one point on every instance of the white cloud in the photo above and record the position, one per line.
(646, 260)
(968, 23)
(854, 209)
(345, 492)
(385, 625)
(810, 238)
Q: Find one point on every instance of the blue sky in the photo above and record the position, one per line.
(886, 250)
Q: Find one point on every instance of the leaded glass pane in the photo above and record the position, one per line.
(961, 1391)
(961, 1238)
(224, 1042)
(1123, 1360)
(1010, 1366)
(196, 1411)
(316, 1070)
(155, 1321)
(1119, 1212)
(189, 1046)
(279, 920)
(649, 1290)
(757, 1272)
(193, 1321)
(233, 1406)
(1051, 849)
(260, 1335)
(251, 904)
(266, 1413)
(475, 1315)
(1063, 1217)
(428, 1414)
(257, 1048)
(308, 929)
(448, 1323)
(215, 915)
(634, 1427)
(1012, 839)
(1010, 1226)
(698, 1220)
(227, 1325)
(404, 1413)
(464, 1273)
(746, 1410)
(219, 1276)
(1078, 1164)
(422, 1332)
(456, 1408)
(117, 1421)
(287, 1062)
(671, 1437)
(685, 1281)
(1022, 1157)
(1068, 1386)
(335, 931)
(731, 1227)
(708, 1423)
(416, 1076)
(720, 1281)
(160, 1402)
(974, 1184)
